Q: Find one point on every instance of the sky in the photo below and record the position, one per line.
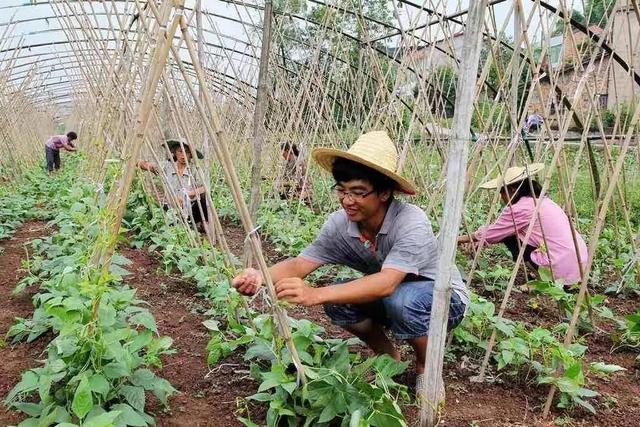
(38, 31)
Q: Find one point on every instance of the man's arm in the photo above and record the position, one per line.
(249, 281)
(147, 166)
(69, 147)
(467, 238)
(197, 192)
(366, 289)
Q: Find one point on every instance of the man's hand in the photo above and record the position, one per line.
(296, 291)
(466, 239)
(248, 282)
(468, 243)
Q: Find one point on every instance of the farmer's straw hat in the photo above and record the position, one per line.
(513, 175)
(173, 144)
(374, 150)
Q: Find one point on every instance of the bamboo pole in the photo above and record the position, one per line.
(457, 164)
(262, 100)
(118, 196)
(232, 179)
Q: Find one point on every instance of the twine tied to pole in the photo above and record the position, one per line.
(251, 232)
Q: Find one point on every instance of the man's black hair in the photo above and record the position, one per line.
(290, 147)
(72, 136)
(347, 170)
(525, 188)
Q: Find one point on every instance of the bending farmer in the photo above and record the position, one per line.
(294, 180)
(185, 193)
(551, 226)
(52, 149)
(389, 241)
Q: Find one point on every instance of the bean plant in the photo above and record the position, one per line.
(97, 366)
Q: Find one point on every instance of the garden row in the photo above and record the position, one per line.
(105, 344)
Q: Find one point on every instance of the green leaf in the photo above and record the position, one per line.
(103, 420)
(118, 271)
(99, 384)
(387, 366)
(328, 413)
(29, 382)
(143, 378)
(115, 370)
(106, 315)
(211, 325)
(82, 399)
(66, 346)
(247, 422)
(505, 326)
(144, 318)
(260, 351)
(507, 356)
(162, 389)
(261, 397)
(142, 339)
(134, 396)
(604, 368)
(290, 387)
(128, 416)
(566, 385)
(545, 274)
(340, 360)
(273, 378)
(585, 405)
(575, 372)
(355, 418)
(585, 392)
(31, 409)
(30, 422)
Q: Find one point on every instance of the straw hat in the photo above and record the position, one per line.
(173, 145)
(513, 175)
(374, 150)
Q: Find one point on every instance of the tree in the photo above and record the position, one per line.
(596, 12)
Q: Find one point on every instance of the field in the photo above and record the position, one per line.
(180, 345)
(154, 150)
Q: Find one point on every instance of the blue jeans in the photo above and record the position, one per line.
(406, 311)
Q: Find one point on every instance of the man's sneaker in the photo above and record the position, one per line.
(420, 379)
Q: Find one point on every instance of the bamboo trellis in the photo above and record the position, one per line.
(126, 72)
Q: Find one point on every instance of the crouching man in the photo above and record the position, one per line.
(389, 241)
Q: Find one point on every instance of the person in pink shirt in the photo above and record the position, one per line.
(551, 243)
(52, 149)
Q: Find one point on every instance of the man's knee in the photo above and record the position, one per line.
(365, 327)
(411, 300)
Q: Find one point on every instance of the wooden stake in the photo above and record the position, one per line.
(260, 112)
(457, 164)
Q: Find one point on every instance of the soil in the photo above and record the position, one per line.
(213, 396)
(22, 356)
(205, 398)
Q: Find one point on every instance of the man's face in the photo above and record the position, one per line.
(182, 156)
(288, 155)
(359, 200)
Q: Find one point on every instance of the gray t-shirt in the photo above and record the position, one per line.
(405, 243)
(179, 185)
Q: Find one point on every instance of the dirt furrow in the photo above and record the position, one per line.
(205, 398)
(16, 358)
